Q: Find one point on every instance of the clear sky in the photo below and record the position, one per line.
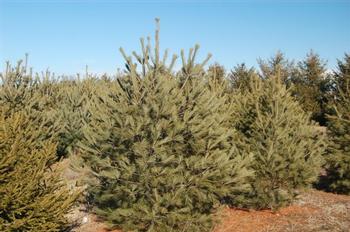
(65, 35)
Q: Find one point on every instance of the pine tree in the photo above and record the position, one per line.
(32, 197)
(286, 148)
(312, 86)
(160, 148)
(338, 159)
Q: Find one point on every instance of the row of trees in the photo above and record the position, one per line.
(313, 85)
(166, 148)
(323, 94)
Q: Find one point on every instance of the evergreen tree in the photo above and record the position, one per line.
(72, 114)
(217, 72)
(160, 148)
(286, 148)
(338, 159)
(32, 197)
(241, 77)
(277, 66)
(312, 86)
(20, 90)
(342, 76)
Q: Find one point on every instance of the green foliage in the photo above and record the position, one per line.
(241, 77)
(217, 72)
(287, 150)
(279, 66)
(342, 76)
(72, 111)
(32, 198)
(20, 90)
(160, 148)
(165, 149)
(338, 165)
(312, 87)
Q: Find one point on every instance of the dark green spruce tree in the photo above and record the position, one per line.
(338, 157)
(312, 87)
(241, 77)
(279, 66)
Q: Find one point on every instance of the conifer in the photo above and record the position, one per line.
(342, 76)
(72, 112)
(286, 148)
(241, 77)
(312, 86)
(338, 157)
(217, 72)
(35, 96)
(279, 66)
(159, 147)
(32, 196)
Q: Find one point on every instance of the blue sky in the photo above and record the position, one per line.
(65, 35)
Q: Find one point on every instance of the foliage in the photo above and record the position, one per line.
(342, 76)
(20, 90)
(160, 148)
(312, 87)
(338, 165)
(241, 77)
(32, 197)
(278, 66)
(217, 72)
(72, 110)
(287, 150)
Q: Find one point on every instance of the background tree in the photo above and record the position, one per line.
(217, 71)
(279, 66)
(241, 77)
(312, 86)
(72, 111)
(21, 90)
(338, 157)
(287, 149)
(341, 76)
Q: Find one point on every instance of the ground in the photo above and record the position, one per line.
(313, 211)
